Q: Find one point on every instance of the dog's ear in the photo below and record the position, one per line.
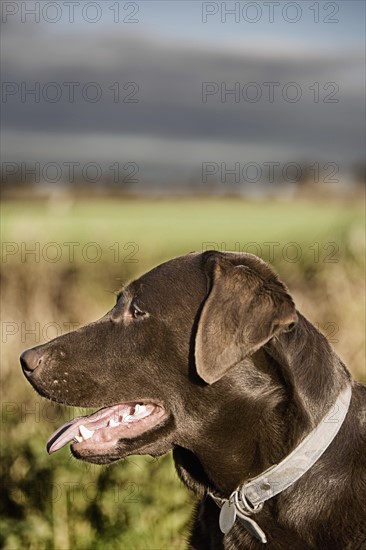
(246, 306)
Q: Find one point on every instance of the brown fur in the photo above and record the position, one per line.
(244, 377)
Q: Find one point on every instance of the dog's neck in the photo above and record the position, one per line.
(311, 369)
(306, 377)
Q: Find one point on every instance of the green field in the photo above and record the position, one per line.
(56, 502)
(162, 228)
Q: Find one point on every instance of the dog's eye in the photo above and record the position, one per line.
(136, 312)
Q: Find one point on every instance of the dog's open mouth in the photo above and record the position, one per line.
(101, 431)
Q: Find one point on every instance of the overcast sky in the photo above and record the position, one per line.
(299, 85)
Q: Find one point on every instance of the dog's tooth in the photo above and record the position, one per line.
(78, 439)
(87, 434)
(113, 423)
(140, 409)
(126, 418)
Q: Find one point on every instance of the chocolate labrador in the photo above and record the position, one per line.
(207, 355)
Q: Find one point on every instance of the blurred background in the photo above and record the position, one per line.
(137, 131)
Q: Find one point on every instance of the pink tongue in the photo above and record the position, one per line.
(100, 419)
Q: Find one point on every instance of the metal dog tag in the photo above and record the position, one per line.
(227, 516)
(253, 527)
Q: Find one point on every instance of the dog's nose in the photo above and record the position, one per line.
(30, 359)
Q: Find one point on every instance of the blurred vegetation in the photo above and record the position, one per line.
(57, 502)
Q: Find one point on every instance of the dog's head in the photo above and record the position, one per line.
(166, 362)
